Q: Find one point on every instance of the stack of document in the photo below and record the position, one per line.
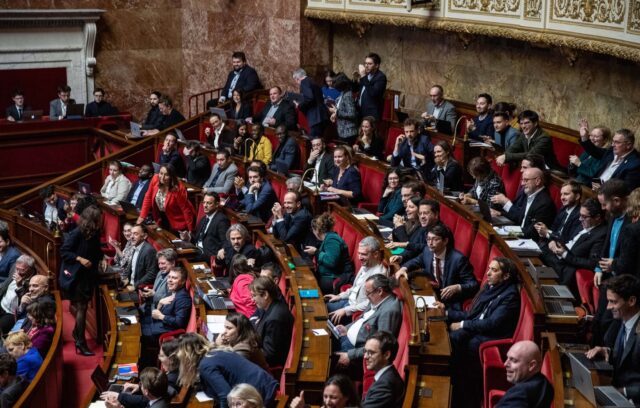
(509, 230)
(524, 247)
(367, 216)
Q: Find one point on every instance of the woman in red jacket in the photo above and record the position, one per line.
(168, 202)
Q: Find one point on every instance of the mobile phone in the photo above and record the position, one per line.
(320, 318)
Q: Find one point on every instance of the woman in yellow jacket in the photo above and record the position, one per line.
(260, 147)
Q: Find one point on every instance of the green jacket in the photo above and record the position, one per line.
(539, 143)
(333, 256)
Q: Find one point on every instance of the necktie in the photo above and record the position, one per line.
(620, 341)
(565, 217)
(438, 272)
(215, 178)
(19, 113)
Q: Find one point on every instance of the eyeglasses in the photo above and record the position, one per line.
(237, 404)
(372, 291)
(370, 352)
(584, 217)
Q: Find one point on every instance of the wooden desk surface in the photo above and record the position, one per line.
(440, 392)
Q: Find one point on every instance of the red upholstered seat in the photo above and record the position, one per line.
(589, 293)
(392, 135)
(258, 105)
(464, 235)
(479, 256)
(564, 148)
(275, 142)
(279, 187)
(372, 180)
(554, 192)
(449, 217)
(511, 178)
(287, 363)
(493, 353)
(495, 396)
(495, 252)
(303, 123)
(496, 168)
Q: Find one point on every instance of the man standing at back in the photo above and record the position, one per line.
(312, 104)
(243, 78)
(530, 388)
(372, 85)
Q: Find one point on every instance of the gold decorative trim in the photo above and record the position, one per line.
(634, 16)
(620, 50)
(486, 7)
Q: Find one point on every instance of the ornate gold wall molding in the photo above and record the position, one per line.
(590, 11)
(624, 50)
(486, 6)
(634, 16)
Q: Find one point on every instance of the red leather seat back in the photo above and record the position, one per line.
(554, 192)
(464, 235)
(279, 187)
(271, 135)
(448, 217)
(496, 168)
(479, 256)
(372, 180)
(392, 135)
(402, 359)
(524, 330)
(258, 105)
(511, 178)
(303, 122)
(565, 148)
(589, 293)
(495, 252)
(110, 226)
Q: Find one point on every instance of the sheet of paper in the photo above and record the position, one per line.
(132, 319)
(371, 217)
(320, 332)
(215, 323)
(429, 300)
(202, 397)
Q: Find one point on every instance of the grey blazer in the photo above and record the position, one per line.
(447, 112)
(347, 116)
(388, 316)
(224, 183)
(55, 108)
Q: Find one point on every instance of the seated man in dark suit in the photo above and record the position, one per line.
(291, 221)
(530, 387)
(566, 224)
(242, 78)
(170, 155)
(223, 174)
(16, 111)
(277, 111)
(143, 268)
(140, 187)
(384, 313)
(287, 155)
(12, 385)
(449, 270)
(58, 107)
(53, 207)
(446, 172)
(238, 242)
(154, 116)
(258, 198)
(481, 128)
(621, 345)
(312, 104)
(533, 139)
(387, 390)
(169, 118)
(320, 160)
(210, 233)
(583, 250)
(99, 107)
(412, 150)
(620, 161)
(219, 136)
(532, 205)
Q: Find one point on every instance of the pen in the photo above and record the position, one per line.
(521, 243)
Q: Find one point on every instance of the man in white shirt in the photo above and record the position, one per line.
(342, 306)
(13, 289)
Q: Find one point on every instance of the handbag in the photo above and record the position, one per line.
(68, 275)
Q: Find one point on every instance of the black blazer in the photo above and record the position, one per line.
(198, 169)
(169, 120)
(542, 210)
(372, 100)
(326, 166)
(143, 192)
(13, 112)
(294, 228)
(629, 260)
(607, 242)
(215, 237)
(274, 328)
(246, 111)
(312, 104)
(452, 176)
(457, 270)
(387, 392)
(176, 314)
(153, 119)
(247, 250)
(571, 227)
(536, 392)
(501, 308)
(175, 159)
(146, 267)
(247, 82)
(628, 171)
(626, 366)
(286, 156)
(225, 141)
(417, 240)
(285, 115)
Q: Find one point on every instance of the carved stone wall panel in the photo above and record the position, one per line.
(608, 13)
(634, 16)
(499, 7)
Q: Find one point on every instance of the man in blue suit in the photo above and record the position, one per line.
(287, 155)
(259, 197)
(312, 104)
(621, 160)
(243, 78)
(412, 150)
(530, 388)
(450, 271)
(372, 86)
(140, 187)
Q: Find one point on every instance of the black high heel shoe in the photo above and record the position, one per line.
(83, 350)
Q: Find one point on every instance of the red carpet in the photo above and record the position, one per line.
(77, 369)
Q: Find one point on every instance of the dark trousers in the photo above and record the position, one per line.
(466, 372)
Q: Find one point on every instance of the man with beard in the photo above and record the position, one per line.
(140, 187)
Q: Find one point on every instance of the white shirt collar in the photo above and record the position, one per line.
(381, 371)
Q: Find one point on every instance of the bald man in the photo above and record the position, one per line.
(38, 292)
(533, 204)
(530, 388)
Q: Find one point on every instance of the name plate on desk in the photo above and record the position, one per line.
(306, 364)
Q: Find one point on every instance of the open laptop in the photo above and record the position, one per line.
(75, 111)
(214, 302)
(101, 381)
(596, 364)
(136, 130)
(333, 329)
(556, 292)
(30, 115)
(540, 272)
(600, 396)
(156, 167)
(84, 188)
(485, 211)
(220, 112)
